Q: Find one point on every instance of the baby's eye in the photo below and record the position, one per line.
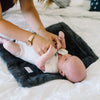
(65, 59)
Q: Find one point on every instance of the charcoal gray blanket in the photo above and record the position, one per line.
(74, 44)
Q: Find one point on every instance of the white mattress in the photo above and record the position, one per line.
(87, 25)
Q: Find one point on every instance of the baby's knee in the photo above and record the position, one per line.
(12, 48)
(7, 45)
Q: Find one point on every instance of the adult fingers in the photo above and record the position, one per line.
(58, 44)
(41, 52)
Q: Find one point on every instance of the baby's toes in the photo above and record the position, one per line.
(61, 34)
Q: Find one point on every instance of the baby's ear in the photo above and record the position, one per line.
(62, 74)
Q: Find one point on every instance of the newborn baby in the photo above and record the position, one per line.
(52, 61)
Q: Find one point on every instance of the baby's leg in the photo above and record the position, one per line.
(10, 46)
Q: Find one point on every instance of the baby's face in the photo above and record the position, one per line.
(62, 64)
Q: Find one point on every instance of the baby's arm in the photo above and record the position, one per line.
(45, 57)
(10, 46)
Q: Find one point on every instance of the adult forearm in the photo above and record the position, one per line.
(12, 31)
(33, 19)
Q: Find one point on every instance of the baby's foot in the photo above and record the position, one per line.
(2, 40)
(62, 39)
(61, 34)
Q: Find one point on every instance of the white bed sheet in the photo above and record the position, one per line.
(87, 25)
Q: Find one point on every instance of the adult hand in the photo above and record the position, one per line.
(40, 44)
(52, 38)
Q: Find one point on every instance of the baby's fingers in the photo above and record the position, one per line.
(52, 50)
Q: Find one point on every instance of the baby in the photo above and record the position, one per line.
(52, 61)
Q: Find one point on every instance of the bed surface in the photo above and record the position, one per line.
(84, 23)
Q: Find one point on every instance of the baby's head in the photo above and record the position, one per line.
(72, 68)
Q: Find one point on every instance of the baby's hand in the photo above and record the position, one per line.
(51, 51)
(62, 39)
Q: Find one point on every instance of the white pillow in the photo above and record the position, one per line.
(76, 2)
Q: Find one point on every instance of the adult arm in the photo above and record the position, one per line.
(12, 31)
(32, 17)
